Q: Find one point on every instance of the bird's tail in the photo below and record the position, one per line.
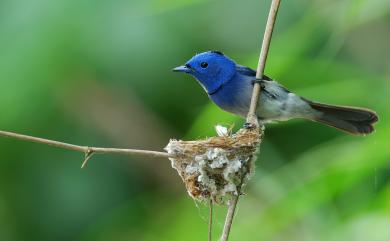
(355, 121)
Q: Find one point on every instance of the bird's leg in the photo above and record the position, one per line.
(250, 125)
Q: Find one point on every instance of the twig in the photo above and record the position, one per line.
(211, 220)
(252, 118)
(88, 155)
(88, 151)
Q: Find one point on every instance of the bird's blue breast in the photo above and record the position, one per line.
(234, 96)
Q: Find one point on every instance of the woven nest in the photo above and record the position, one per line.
(216, 167)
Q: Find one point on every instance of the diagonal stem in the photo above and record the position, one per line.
(251, 118)
(229, 218)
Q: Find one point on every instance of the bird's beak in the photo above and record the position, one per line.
(182, 68)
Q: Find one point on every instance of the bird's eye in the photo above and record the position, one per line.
(204, 65)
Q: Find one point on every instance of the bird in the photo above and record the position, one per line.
(230, 85)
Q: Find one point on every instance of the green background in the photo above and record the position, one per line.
(98, 73)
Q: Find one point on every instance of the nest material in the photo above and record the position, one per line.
(216, 167)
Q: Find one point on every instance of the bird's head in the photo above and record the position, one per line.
(212, 69)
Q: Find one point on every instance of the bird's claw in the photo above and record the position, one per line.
(259, 81)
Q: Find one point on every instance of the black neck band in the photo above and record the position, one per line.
(216, 90)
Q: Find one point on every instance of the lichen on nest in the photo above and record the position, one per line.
(216, 167)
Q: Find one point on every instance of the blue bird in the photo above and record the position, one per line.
(230, 85)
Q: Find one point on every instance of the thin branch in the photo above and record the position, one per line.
(251, 118)
(229, 218)
(88, 151)
(211, 220)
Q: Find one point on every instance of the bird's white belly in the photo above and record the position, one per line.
(282, 108)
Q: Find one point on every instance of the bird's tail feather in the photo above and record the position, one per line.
(355, 121)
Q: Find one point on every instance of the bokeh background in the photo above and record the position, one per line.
(98, 73)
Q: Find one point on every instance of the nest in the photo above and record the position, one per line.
(216, 167)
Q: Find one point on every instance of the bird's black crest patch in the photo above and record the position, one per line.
(216, 52)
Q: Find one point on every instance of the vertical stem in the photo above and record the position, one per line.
(251, 118)
(211, 220)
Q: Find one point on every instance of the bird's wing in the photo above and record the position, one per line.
(245, 70)
(249, 72)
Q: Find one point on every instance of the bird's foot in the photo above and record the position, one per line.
(252, 122)
(249, 126)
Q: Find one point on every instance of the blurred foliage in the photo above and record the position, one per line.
(98, 73)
